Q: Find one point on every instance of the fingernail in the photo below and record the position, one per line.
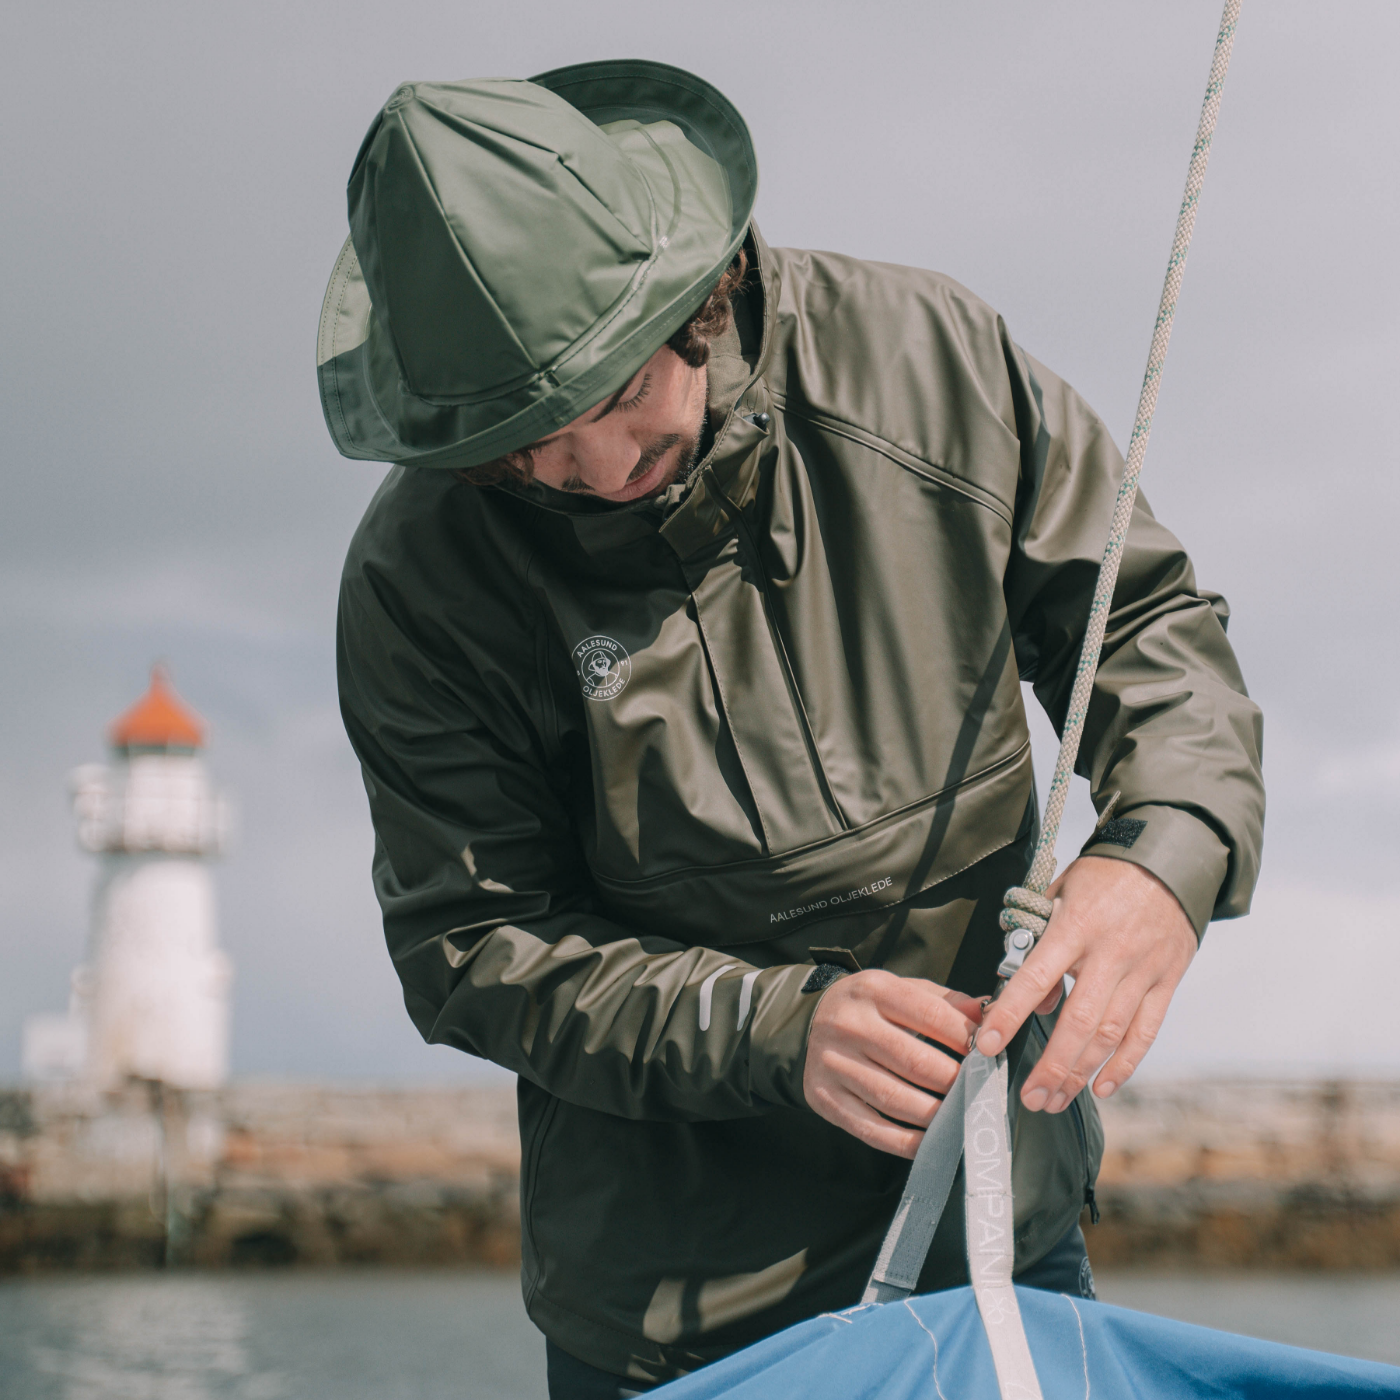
(1058, 1102)
(1104, 1090)
(989, 1042)
(1035, 1100)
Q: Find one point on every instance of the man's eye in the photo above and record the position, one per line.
(639, 395)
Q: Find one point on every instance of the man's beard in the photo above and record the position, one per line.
(686, 459)
(652, 454)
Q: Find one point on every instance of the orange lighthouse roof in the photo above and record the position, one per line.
(158, 720)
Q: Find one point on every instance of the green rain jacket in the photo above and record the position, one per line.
(629, 766)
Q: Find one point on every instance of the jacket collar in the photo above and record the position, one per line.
(727, 479)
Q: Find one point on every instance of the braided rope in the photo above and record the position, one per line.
(1026, 906)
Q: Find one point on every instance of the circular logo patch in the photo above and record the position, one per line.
(603, 667)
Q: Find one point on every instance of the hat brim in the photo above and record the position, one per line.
(373, 416)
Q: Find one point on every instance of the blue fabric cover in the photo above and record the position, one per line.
(933, 1348)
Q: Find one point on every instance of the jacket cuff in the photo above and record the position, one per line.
(778, 1040)
(1179, 849)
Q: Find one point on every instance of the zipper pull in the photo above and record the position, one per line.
(1091, 1203)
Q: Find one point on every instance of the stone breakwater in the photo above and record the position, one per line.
(258, 1174)
(1228, 1173)
(1272, 1174)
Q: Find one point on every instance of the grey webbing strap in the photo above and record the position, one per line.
(902, 1255)
(991, 1250)
(972, 1118)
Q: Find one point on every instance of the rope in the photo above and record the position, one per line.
(978, 1134)
(1027, 907)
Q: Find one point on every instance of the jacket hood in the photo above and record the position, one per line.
(518, 250)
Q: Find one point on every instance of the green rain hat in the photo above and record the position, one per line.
(518, 250)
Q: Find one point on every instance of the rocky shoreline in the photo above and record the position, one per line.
(1268, 1174)
(258, 1174)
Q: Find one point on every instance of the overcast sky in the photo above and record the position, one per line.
(174, 199)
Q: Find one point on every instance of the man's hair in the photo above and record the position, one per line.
(691, 343)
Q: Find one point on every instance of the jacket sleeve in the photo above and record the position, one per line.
(1170, 727)
(488, 910)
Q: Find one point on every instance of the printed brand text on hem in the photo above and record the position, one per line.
(835, 901)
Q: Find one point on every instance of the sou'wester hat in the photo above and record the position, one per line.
(518, 250)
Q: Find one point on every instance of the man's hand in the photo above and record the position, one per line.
(1120, 933)
(864, 1059)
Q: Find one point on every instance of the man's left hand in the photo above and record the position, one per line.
(1126, 941)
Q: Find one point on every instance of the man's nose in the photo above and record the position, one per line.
(604, 457)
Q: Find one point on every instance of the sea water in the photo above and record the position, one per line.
(464, 1336)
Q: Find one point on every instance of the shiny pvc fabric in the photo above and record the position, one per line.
(624, 187)
(629, 766)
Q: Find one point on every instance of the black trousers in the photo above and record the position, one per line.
(1064, 1270)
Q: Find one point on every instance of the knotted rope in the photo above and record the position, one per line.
(1027, 907)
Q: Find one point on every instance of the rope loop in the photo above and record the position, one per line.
(1025, 909)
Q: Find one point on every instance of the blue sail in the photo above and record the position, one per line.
(934, 1347)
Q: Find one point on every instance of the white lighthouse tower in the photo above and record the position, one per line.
(152, 1000)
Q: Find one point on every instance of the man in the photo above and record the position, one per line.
(681, 654)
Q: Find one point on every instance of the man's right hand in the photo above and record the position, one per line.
(865, 1065)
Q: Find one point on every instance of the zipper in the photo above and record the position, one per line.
(1077, 1114)
(1089, 1200)
(529, 1173)
(794, 695)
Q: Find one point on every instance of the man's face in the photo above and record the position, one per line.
(633, 444)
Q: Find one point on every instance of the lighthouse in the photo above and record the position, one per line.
(151, 1002)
